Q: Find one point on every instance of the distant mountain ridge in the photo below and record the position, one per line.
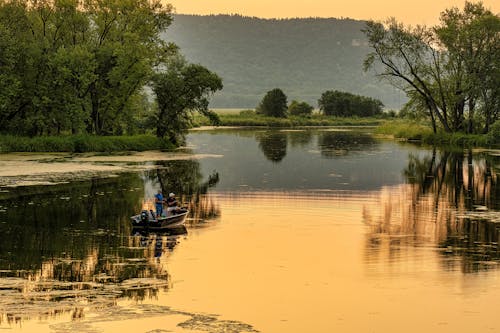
(303, 56)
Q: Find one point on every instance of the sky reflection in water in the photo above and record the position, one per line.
(292, 231)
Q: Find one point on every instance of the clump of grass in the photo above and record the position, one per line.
(412, 131)
(407, 130)
(81, 143)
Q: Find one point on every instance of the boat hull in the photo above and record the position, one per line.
(162, 223)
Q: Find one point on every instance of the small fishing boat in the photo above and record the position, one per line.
(147, 220)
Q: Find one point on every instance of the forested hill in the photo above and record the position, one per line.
(304, 57)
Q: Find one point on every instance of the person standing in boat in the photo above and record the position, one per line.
(159, 201)
(171, 203)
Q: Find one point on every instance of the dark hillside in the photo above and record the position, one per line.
(303, 57)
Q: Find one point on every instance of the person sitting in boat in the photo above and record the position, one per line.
(159, 201)
(171, 203)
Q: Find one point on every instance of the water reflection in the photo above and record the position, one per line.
(340, 143)
(273, 144)
(300, 138)
(331, 143)
(452, 201)
(184, 178)
(70, 247)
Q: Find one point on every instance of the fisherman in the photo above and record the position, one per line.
(171, 203)
(159, 201)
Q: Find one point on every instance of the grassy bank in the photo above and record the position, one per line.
(249, 118)
(81, 143)
(413, 131)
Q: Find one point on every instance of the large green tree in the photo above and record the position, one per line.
(452, 68)
(76, 65)
(273, 104)
(344, 104)
(180, 89)
(127, 47)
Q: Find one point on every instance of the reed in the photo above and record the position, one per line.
(422, 132)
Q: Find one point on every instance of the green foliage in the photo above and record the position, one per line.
(81, 143)
(494, 133)
(451, 70)
(343, 104)
(179, 90)
(273, 104)
(300, 108)
(416, 131)
(76, 66)
(251, 119)
(408, 130)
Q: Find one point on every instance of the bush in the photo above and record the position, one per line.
(300, 108)
(493, 136)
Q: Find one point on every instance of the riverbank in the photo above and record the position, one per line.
(27, 169)
(82, 143)
(421, 132)
(398, 129)
(249, 118)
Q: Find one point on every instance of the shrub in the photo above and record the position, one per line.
(493, 136)
(300, 108)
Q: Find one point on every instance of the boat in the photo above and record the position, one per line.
(147, 220)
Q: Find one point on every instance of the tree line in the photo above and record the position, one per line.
(332, 103)
(82, 66)
(451, 70)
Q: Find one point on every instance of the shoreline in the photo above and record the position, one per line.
(32, 169)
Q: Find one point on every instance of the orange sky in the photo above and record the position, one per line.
(412, 12)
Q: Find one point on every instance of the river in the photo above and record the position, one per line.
(324, 230)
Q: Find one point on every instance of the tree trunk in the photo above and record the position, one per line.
(470, 122)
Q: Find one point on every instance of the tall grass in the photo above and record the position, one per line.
(412, 131)
(81, 143)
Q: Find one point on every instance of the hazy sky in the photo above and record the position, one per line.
(412, 12)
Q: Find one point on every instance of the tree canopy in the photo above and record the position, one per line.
(300, 108)
(451, 69)
(77, 66)
(179, 90)
(344, 104)
(273, 104)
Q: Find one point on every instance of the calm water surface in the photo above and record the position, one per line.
(290, 231)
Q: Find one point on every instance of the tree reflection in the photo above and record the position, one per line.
(72, 242)
(273, 144)
(339, 143)
(452, 201)
(184, 178)
(300, 138)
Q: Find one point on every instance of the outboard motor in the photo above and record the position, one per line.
(144, 216)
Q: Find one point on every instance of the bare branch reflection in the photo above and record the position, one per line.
(451, 200)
